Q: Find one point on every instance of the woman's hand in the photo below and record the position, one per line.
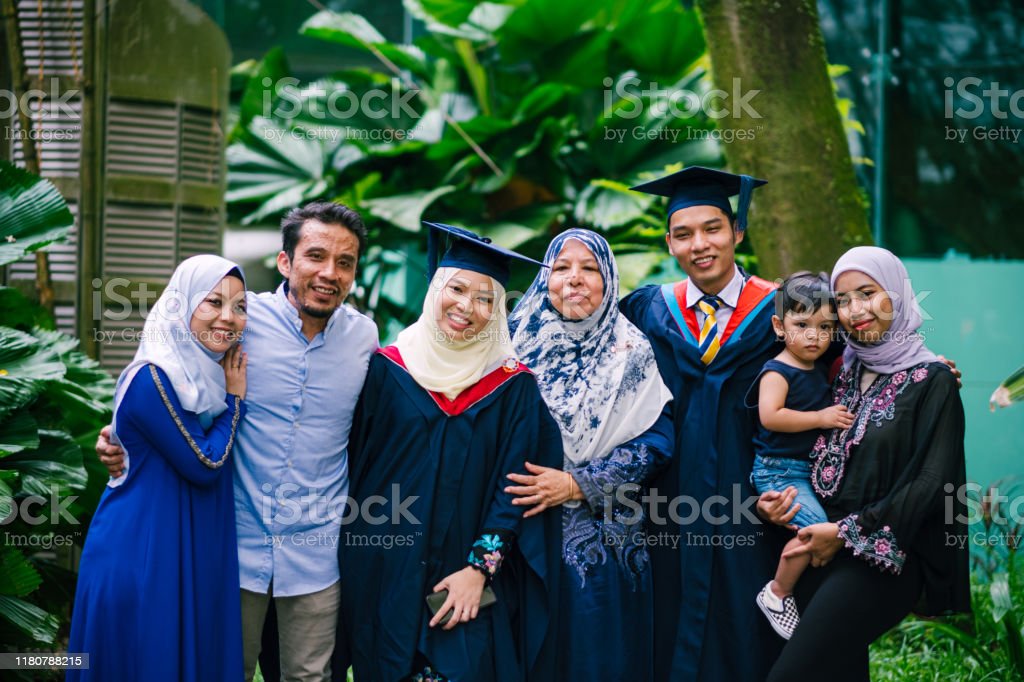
(544, 487)
(820, 540)
(465, 588)
(778, 507)
(111, 456)
(952, 368)
(234, 363)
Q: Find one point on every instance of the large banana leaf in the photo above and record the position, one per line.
(55, 465)
(33, 213)
(406, 210)
(353, 30)
(19, 431)
(277, 170)
(30, 619)
(25, 366)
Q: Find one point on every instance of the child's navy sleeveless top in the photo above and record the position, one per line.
(808, 392)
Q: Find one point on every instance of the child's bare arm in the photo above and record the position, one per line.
(776, 417)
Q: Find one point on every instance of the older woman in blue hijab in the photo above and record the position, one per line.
(598, 376)
(158, 595)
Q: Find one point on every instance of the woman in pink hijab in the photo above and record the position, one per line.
(885, 482)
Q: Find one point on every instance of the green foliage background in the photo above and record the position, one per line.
(513, 125)
(53, 401)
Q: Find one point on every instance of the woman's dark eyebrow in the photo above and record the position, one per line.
(862, 287)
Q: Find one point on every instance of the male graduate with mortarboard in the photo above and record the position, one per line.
(711, 334)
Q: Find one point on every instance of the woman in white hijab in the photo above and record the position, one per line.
(445, 414)
(598, 376)
(158, 595)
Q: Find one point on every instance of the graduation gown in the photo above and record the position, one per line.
(707, 626)
(158, 594)
(444, 462)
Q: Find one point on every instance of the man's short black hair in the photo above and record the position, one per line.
(804, 292)
(326, 212)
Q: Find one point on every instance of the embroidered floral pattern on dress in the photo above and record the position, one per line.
(428, 675)
(606, 524)
(875, 406)
(879, 547)
(487, 553)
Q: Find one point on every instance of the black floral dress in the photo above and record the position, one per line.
(893, 481)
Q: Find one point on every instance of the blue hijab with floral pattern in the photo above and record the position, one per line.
(598, 375)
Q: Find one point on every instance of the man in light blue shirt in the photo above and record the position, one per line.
(308, 354)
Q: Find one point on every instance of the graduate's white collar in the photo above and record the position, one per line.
(730, 295)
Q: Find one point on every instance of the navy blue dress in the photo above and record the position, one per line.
(706, 626)
(808, 392)
(158, 591)
(607, 624)
(441, 466)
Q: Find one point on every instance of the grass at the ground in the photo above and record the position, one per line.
(899, 658)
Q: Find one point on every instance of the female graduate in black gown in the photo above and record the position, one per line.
(445, 414)
(885, 482)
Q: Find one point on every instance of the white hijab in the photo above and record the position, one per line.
(168, 343)
(598, 375)
(449, 367)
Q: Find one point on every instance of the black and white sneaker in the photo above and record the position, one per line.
(781, 613)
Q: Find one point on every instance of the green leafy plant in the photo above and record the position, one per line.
(513, 119)
(53, 400)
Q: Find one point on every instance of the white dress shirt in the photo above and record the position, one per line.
(730, 296)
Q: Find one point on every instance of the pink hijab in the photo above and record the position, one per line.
(901, 346)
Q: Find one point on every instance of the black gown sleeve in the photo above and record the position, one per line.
(881, 532)
(537, 441)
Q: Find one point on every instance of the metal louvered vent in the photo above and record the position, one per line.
(198, 232)
(51, 36)
(138, 241)
(201, 141)
(142, 139)
(120, 340)
(65, 317)
(138, 245)
(57, 130)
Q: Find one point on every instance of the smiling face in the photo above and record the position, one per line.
(321, 272)
(702, 240)
(575, 286)
(219, 319)
(865, 308)
(465, 305)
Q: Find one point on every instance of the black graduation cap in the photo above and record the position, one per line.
(469, 251)
(700, 186)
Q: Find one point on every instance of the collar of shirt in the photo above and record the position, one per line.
(730, 295)
(292, 313)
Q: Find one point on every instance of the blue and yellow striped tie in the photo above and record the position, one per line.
(708, 344)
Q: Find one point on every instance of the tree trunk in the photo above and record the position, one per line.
(790, 133)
